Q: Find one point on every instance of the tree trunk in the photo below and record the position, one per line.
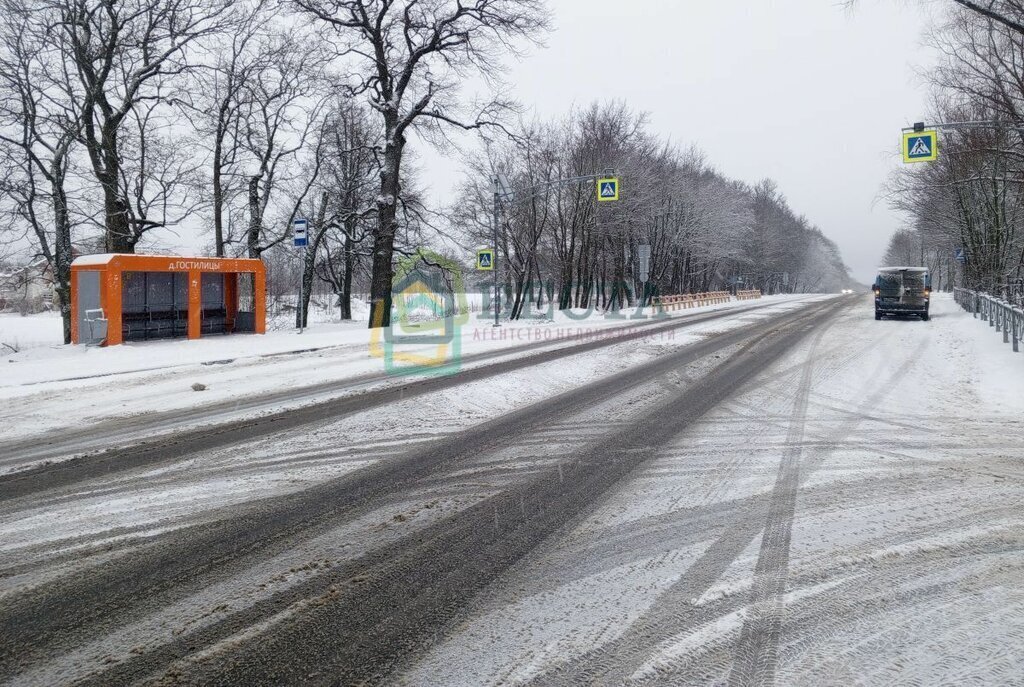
(218, 199)
(346, 284)
(381, 280)
(382, 276)
(62, 251)
(118, 231)
(255, 220)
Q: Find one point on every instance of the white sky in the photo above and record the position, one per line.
(803, 91)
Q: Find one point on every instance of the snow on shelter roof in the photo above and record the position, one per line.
(96, 259)
(171, 263)
(902, 269)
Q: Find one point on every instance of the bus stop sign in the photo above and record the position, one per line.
(300, 228)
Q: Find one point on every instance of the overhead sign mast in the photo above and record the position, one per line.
(921, 143)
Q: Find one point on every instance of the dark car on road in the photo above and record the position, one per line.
(902, 291)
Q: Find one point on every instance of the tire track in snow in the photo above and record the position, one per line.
(171, 567)
(615, 663)
(119, 445)
(756, 654)
(829, 619)
(712, 668)
(672, 613)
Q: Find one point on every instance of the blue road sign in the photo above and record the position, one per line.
(608, 189)
(920, 146)
(485, 259)
(960, 255)
(299, 232)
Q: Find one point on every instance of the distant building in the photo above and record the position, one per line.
(27, 289)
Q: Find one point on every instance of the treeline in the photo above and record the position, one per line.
(972, 198)
(705, 231)
(125, 123)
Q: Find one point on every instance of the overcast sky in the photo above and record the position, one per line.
(802, 91)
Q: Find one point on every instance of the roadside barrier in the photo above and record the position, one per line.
(748, 295)
(691, 300)
(999, 314)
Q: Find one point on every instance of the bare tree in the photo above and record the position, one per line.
(218, 105)
(1009, 13)
(278, 142)
(410, 57)
(702, 228)
(971, 198)
(123, 54)
(39, 124)
(350, 179)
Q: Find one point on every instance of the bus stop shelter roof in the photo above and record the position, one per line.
(167, 263)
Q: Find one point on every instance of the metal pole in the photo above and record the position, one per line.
(494, 260)
(302, 287)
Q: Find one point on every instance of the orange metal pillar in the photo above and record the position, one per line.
(195, 305)
(260, 302)
(110, 297)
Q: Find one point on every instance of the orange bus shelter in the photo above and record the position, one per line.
(125, 297)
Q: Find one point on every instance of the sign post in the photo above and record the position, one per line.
(300, 230)
(643, 254)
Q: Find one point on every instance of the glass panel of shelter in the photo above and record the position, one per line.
(245, 318)
(154, 305)
(214, 313)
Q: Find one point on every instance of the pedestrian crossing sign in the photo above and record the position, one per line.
(920, 146)
(485, 259)
(607, 189)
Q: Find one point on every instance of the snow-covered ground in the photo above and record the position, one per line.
(47, 386)
(861, 496)
(900, 563)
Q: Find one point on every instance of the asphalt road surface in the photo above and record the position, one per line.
(779, 502)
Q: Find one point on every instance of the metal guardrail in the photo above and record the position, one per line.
(1003, 316)
(691, 300)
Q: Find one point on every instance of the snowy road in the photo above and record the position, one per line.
(804, 497)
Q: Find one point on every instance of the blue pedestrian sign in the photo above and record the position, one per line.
(607, 189)
(960, 255)
(300, 229)
(920, 146)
